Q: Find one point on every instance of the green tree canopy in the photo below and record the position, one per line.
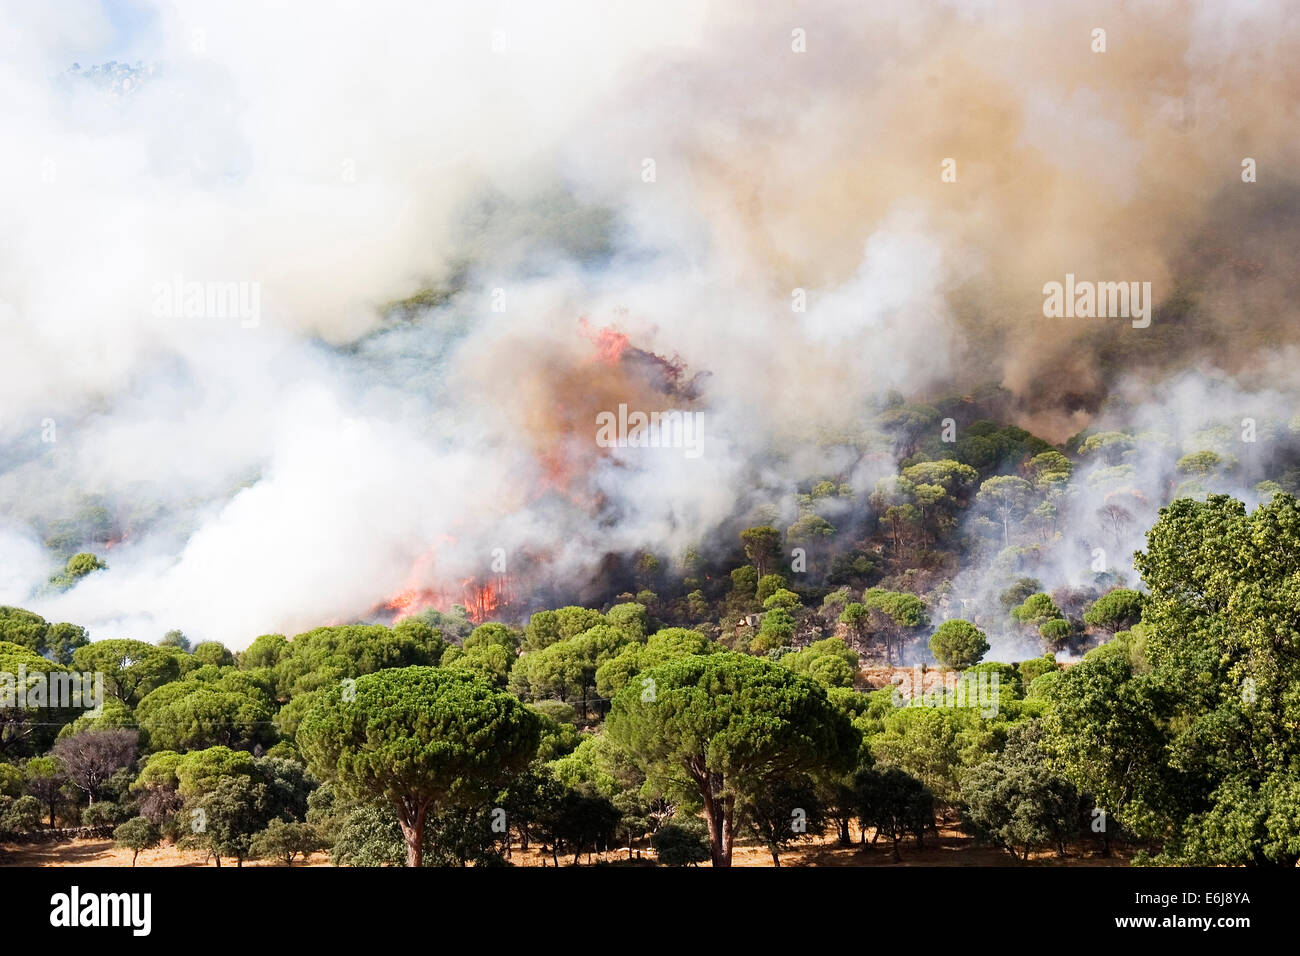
(78, 566)
(958, 644)
(420, 739)
(830, 662)
(1016, 800)
(1220, 628)
(137, 834)
(30, 630)
(547, 627)
(1116, 610)
(1037, 609)
(1007, 497)
(327, 655)
(131, 668)
(726, 725)
(762, 548)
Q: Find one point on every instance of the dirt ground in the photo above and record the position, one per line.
(952, 848)
(91, 852)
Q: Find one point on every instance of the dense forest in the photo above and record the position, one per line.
(808, 683)
(690, 434)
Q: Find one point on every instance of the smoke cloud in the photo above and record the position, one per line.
(579, 205)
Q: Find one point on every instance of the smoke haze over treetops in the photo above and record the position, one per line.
(241, 477)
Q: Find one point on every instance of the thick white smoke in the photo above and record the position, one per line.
(290, 471)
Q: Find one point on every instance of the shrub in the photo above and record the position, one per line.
(137, 834)
(681, 844)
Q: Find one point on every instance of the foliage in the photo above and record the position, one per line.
(1116, 610)
(30, 630)
(958, 644)
(283, 841)
(137, 834)
(684, 843)
(1016, 800)
(725, 725)
(894, 803)
(421, 739)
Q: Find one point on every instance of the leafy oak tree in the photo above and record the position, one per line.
(784, 812)
(137, 834)
(1220, 626)
(684, 843)
(225, 819)
(1016, 800)
(894, 803)
(284, 840)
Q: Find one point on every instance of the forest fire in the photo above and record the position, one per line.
(610, 343)
(410, 601)
(480, 598)
(484, 598)
(559, 427)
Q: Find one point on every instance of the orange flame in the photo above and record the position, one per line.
(482, 599)
(610, 342)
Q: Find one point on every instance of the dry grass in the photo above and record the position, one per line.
(951, 848)
(92, 852)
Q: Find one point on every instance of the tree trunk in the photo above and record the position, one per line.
(718, 811)
(776, 858)
(410, 814)
(133, 856)
(728, 828)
